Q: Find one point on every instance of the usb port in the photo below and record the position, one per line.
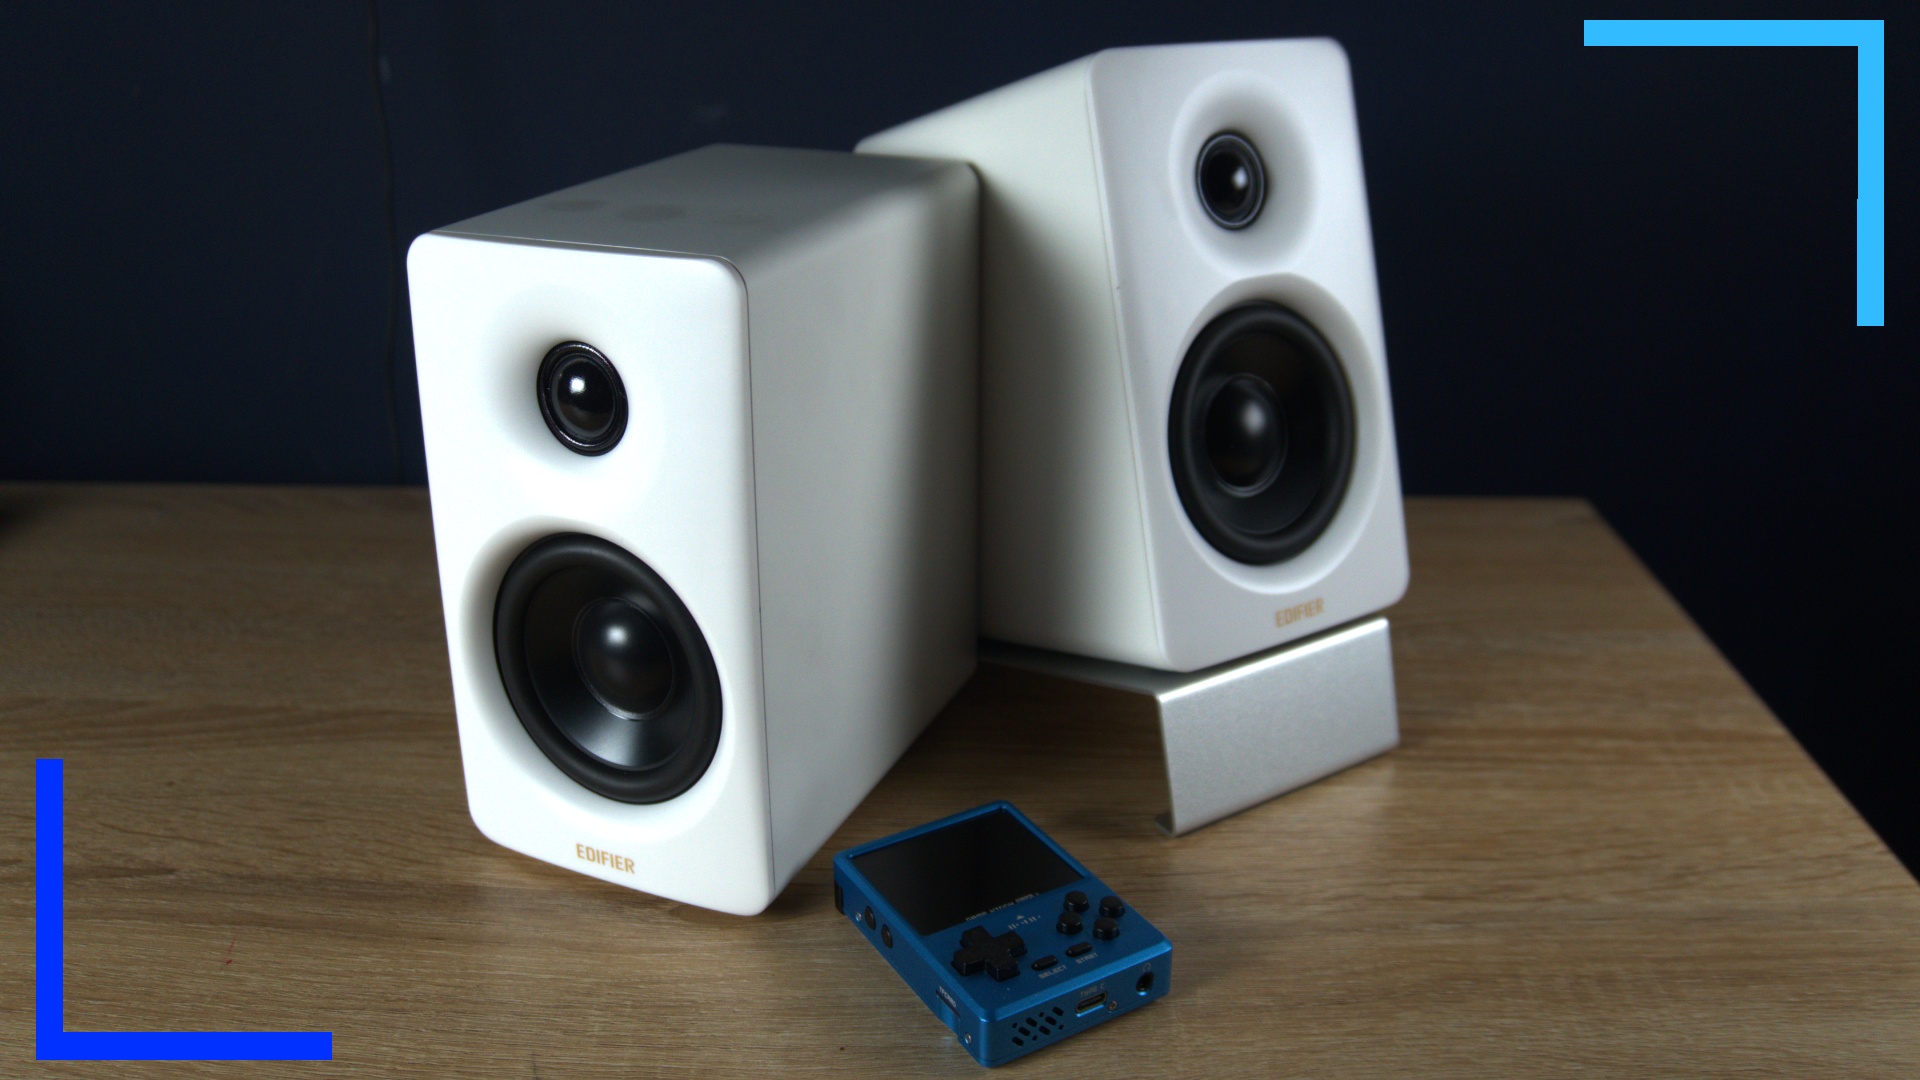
(1090, 1003)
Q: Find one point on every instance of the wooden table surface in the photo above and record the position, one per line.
(1595, 852)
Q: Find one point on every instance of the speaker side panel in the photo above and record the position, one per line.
(675, 492)
(1063, 554)
(865, 428)
(1310, 251)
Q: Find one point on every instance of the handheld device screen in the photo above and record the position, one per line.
(942, 878)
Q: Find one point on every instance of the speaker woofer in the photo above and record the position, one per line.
(1261, 434)
(606, 669)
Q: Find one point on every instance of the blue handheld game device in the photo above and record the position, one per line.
(1010, 942)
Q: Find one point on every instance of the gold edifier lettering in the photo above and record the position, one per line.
(604, 858)
(1288, 615)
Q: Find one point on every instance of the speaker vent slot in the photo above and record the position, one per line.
(1036, 1027)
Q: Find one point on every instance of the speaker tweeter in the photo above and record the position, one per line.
(1231, 179)
(582, 398)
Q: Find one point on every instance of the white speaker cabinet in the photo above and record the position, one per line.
(1145, 498)
(1188, 451)
(701, 449)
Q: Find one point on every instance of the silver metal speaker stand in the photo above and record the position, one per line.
(1241, 733)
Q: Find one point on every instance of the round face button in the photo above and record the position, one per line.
(1076, 901)
(1069, 923)
(1105, 929)
(1111, 907)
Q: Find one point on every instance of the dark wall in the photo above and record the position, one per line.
(1619, 273)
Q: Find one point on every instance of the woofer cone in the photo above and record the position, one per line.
(606, 669)
(1261, 434)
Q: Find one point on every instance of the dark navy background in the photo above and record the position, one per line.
(1625, 274)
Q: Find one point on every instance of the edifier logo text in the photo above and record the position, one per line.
(1297, 612)
(604, 858)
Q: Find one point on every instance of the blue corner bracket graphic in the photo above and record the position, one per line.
(1866, 35)
(52, 1042)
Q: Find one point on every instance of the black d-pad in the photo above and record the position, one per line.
(998, 956)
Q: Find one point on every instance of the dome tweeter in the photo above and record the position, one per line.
(1231, 180)
(582, 398)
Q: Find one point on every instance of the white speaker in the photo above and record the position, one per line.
(1187, 440)
(701, 450)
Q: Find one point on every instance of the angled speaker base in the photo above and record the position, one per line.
(1245, 731)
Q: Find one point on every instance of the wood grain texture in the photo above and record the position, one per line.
(1595, 851)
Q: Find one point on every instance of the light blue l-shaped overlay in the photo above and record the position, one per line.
(1866, 35)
